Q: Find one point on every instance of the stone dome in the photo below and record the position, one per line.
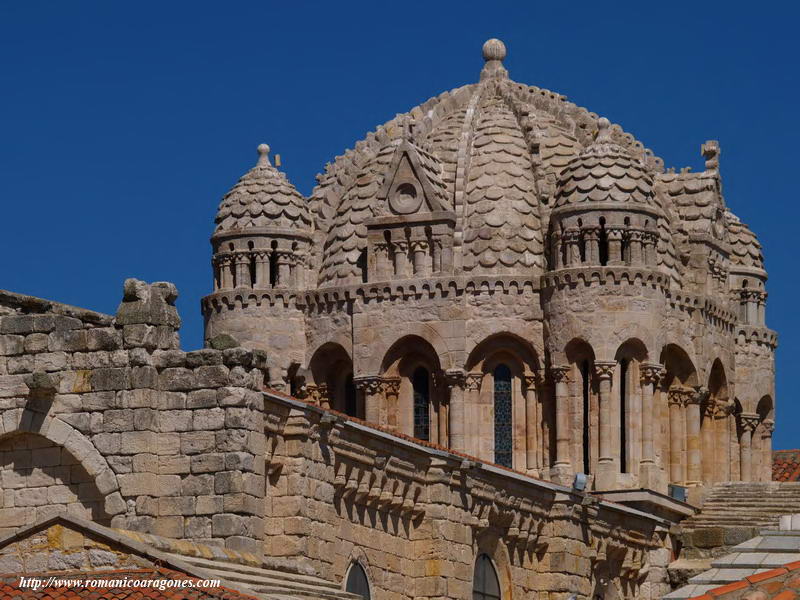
(263, 198)
(500, 146)
(745, 247)
(604, 172)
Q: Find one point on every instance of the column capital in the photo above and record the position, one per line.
(560, 374)
(390, 385)
(769, 427)
(651, 373)
(455, 378)
(473, 381)
(749, 421)
(530, 381)
(370, 384)
(698, 395)
(680, 396)
(604, 369)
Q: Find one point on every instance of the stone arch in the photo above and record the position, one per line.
(677, 385)
(679, 367)
(521, 350)
(627, 403)
(504, 416)
(583, 405)
(63, 434)
(359, 557)
(491, 545)
(403, 363)
(762, 440)
(330, 379)
(375, 362)
(716, 426)
(65, 474)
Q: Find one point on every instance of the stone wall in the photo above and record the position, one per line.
(40, 479)
(416, 517)
(104, 417)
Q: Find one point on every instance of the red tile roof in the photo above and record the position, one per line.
(10, 587)
(786, 465)
(782, 583)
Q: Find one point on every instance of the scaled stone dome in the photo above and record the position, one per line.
(263, 197)
(604, 172)
(500, 147)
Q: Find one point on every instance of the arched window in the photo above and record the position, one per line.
(623, 405)
(422, 404)
(502, 416)
(603, 242)
(357, 582)
(485, 585)
(587, 457)
(273, 265)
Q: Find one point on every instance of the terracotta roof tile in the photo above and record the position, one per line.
(786, 465)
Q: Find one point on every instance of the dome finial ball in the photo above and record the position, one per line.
(494, 49)
(263, 155)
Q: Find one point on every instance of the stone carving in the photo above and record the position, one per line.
(604, 369)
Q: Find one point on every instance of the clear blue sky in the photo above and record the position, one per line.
(123, 124)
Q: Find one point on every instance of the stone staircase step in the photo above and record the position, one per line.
(745, 504)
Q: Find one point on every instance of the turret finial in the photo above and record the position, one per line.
(603, 130)
(263, 155)
(494, 52)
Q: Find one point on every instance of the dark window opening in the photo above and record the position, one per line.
(587, 467)
(623, 433)
(603, 242)
(503, 421)
(485, 585)
(273, 265)
(420, 381)
(361, 263)
(357, 582)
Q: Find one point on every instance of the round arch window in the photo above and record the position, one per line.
(357, 582)
(485, 585)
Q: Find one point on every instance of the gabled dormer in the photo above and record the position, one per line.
(411, 234)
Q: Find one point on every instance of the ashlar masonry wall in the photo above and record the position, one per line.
(105, 418)
(416, 517)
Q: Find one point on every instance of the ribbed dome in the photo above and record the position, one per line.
(604, 172)
(501, 147)
(263, 197)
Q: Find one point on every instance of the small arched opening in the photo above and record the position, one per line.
(485, 583)
(628, 404)
(332, 371)
(503, 416)
(417, 407)
(357, 582)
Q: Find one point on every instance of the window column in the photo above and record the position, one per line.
(562, 469)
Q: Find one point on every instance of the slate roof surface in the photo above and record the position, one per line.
(782, 583)
(786, 465)
(9, 587)
(263, 197)
(745, 247)
(604, 172)
(747, 563)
